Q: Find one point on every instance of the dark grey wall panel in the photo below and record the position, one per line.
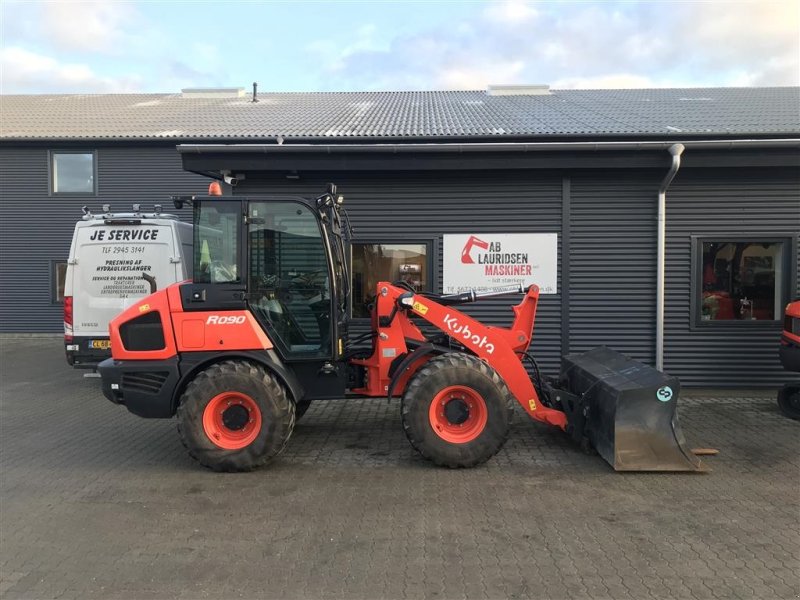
(386, 206)
(743, 202)
(613, 262)
(36, 228)
(612, 226)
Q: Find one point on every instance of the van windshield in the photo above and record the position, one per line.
(216, 242)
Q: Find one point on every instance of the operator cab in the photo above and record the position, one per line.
(283, 259)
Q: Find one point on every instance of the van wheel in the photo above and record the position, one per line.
(457, 411)
(235, 416)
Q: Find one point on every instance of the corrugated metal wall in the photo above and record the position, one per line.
(36, 229)
(424, 205)
(613, 262)
(611, 228)
(742, 202)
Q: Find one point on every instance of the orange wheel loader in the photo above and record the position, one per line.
(261, 331)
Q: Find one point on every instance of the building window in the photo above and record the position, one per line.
(408, 262)
(72, 172)
(59, 276)
(741, 280)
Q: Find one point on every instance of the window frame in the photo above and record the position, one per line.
(54, 262)
(431, 262)
(785, 270)
(51, 173)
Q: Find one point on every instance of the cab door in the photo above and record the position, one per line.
(289, 290)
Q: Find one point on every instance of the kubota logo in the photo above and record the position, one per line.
(459, 330)
(466, 256)
(225, 320)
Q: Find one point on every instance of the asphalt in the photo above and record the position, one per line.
(97, 503)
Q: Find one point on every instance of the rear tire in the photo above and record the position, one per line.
(789, 400)
(235, 416)
(456, 411)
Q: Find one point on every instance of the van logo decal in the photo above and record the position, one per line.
(144, 307)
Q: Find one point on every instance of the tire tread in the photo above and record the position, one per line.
(441, 363)
(240, 460)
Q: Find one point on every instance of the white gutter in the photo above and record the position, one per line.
(675, 150)
(463, 148)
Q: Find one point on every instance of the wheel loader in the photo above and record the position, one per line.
(262, 330)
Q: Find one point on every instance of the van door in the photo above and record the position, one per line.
(111, 260)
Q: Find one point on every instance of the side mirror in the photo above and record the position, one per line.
(331, 189)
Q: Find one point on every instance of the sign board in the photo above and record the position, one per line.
(483, 261)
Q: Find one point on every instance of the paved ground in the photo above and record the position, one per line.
(96, 503)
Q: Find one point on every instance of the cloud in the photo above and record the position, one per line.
(610, 44)
(754, 43)
(478, 76)
(334, 53)
(28, 72)
(611, 81)
(515, 12)
(88, 25)
(65, 46)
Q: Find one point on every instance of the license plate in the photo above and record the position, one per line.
(100, 344)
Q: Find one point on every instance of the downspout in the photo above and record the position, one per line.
(675, 150)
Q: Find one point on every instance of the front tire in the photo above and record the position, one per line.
(789, 400)
(457, 411)
(235, 416)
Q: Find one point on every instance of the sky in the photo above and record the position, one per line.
(111, 46)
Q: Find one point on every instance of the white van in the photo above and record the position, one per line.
(114, 261)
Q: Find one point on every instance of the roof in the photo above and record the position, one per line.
(666, 113)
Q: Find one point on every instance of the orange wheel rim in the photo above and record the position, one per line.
(232, 420)
(458, 414)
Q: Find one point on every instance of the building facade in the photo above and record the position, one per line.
(732, 218)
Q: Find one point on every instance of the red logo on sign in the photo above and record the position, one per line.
(466, 258)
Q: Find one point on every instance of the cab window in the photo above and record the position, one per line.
(216, 242)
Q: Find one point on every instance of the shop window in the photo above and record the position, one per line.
(59, 276)
(72, 172)
(740, 280)
(408, 262)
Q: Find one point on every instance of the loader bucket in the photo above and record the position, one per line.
(632, 420)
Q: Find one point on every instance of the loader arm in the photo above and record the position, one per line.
(499, 347)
